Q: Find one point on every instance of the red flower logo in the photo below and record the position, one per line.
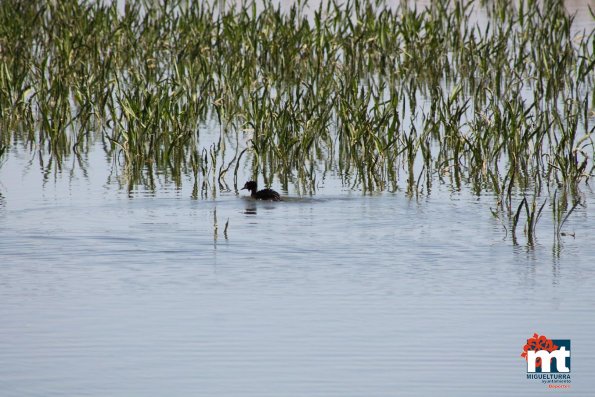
(537, 343)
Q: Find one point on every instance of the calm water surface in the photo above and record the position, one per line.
(106, 293)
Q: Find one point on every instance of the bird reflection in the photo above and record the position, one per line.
(250, 207)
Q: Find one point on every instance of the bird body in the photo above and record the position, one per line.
(264, 194)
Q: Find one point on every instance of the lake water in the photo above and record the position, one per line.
(339, 294)
(105, 292)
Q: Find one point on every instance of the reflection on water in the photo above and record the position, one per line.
(155, 282)
(250, 207)
(342, 294)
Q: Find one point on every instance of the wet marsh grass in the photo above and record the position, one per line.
(388, 98)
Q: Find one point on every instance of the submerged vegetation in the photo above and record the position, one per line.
(385, 97)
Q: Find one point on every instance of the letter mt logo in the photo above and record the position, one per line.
(548, 360)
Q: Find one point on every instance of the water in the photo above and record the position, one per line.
(109, 293)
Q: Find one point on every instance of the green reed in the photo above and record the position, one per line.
(388, 98)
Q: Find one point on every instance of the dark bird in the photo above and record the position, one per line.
(264, 194)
